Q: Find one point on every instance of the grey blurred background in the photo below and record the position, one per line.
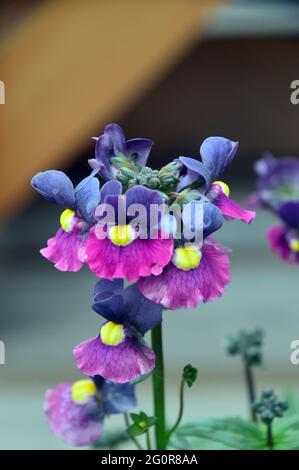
(233, 80)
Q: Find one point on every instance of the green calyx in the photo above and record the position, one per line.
(141, 423)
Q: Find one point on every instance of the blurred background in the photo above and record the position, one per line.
(175, 71)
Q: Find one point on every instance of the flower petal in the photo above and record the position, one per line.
(289, 213)
(217, 154)
(56, 187)
(118, 397)
(139, 147)
(139, 258)
(175, 288)
(232, 210)
(77, 424)
(195, 171)
(87, 195)
(277, 240)
(66, 250)
(122, 363)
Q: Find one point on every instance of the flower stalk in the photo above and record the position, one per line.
(158, 389)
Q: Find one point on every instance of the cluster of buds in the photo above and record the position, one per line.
(269, 406)
(248, 344)
(131, 175)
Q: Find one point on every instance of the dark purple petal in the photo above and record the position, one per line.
(118, 398)
(140, 149)
(217, 153)
(210, 221)
(87, 195)
(141, 312)
(111, 188)
(289, 213)
(108, 300)
(195, 171)
(55, 186)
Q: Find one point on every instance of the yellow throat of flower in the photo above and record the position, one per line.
(122, 235)
(112, 334)
(66, 220)
(225, 188)
(294, 245)
(82, 390)
(187, 257)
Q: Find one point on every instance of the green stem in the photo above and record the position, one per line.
(148, 440)
(250, 389)
(269, 436)
(181, 411)
(133, 439)
(158, 388)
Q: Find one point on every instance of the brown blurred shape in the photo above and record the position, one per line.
(71, 66)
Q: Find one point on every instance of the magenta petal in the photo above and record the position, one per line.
(121, 363)
(77, 424)
(66, 250)
(139, 258)
(277, 240)
(232, 210)
(175, 288)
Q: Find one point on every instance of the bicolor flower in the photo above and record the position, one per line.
(127, 251)
(277, 182)
(112, 144)
(284, 238)
(119, 353)
(76, 411)
(67, 249)
(197, 272)
(217, 154)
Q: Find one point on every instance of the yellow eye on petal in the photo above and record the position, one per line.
(187, 257)
(294, 245)
(224, 187)
(82, 390)
(66, 220)
(112, 334)
(122, 235)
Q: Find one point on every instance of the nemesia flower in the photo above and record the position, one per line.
(278, 181)
(67, 249)
(197, 272)
(119, 353)
(217, 154)
(128, 252)
(284, 239)
(112, 144)
(76, 412)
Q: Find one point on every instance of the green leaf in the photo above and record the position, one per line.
(234, 433)
(136, 430)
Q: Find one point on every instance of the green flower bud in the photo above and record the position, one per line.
(189, 375)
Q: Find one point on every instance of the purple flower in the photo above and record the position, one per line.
(67, 249)
(127, 252)
(119, 353)
(284, 239)
(217, 154)
(278, 181)
(76, 412)
(113, 144)
(194, 274)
